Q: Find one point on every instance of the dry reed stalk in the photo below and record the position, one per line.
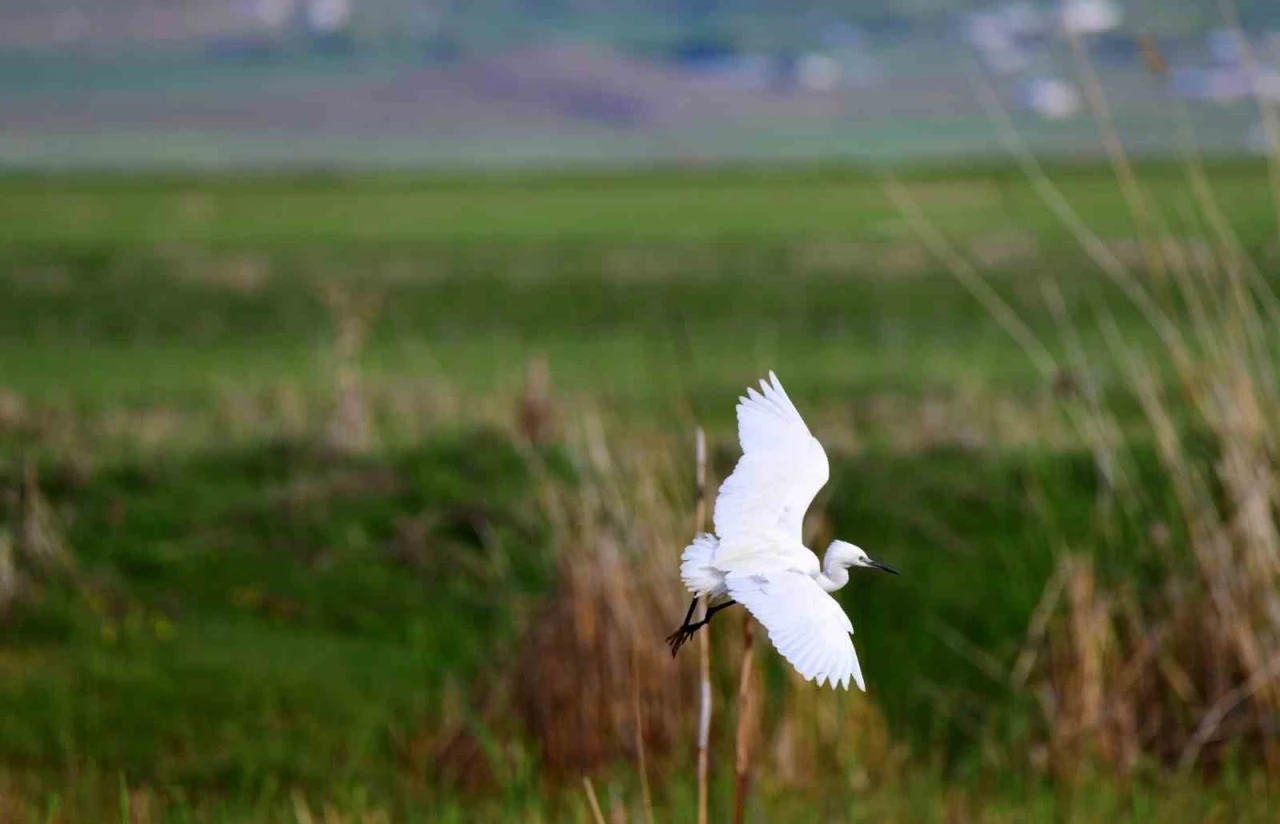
(1135, 201)
(596, 813)
(8, 573)
(535, 416)
(704, 644)
(1090, 642)
(1266, 106)
(301, 810)
(742, 745)
(1206, 201)
(350, 429)
(646, 797)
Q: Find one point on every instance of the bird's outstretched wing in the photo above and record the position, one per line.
(781, 469)
(805, 624)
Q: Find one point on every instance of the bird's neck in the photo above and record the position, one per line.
(833, 575)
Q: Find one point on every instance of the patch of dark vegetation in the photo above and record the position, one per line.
(263, 593)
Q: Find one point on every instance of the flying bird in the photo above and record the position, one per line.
(757, 555)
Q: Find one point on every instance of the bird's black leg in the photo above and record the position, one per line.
(713, 611)
(678, 638)
(688, 616)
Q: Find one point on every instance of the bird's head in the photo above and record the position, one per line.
(845, 555)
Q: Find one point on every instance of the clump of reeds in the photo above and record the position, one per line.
(1077, 676)
(593, 674)
(1194, 663)
(1174, 672)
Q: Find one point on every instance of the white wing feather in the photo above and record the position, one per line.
(805, 624)
(781, 469)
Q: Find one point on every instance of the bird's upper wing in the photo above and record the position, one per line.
(781, 469)
(807, 626)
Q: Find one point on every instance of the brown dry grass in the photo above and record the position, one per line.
(593, 666)
(1183, 671)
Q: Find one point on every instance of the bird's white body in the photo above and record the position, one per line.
(757, 556)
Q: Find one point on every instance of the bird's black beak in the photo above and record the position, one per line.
(881, 567)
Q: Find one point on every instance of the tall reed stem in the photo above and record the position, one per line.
(742, 753)
(704, 646)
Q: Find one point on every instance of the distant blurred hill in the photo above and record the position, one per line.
(52, 22)
(270, 82)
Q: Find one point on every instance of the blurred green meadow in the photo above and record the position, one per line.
(279, 540)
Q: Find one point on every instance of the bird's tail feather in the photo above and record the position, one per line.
(695, 567)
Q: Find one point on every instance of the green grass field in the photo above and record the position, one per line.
(253, 615)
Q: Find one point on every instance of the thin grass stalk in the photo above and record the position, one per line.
(704, 645)
(1098, 422)
(1207, 201)
(969, 277)
(1245, 281)
(1052, 196)
(1267, 110)
(1212, 720)
(1162, 254)
(596, 813)
(1038, 628)
(1135, 201)
(1202, 299)
(8, 573)
(1236, 327)
(742, 747)
(646, 797)
(351, 425)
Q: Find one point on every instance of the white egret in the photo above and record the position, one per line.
(757, 555)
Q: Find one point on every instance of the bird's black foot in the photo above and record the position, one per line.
(680, 637)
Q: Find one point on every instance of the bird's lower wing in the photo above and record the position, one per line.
(805, 624)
